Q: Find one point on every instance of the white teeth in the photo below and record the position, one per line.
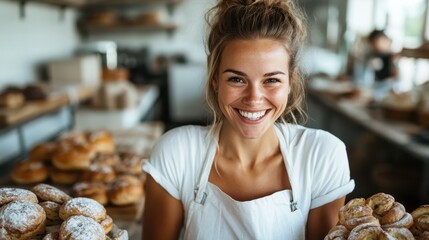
(252, 115)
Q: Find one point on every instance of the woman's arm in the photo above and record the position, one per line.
(163, 214)
(322, 219)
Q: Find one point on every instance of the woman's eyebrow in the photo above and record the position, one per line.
(243, 74)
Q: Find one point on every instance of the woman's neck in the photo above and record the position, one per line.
(247, 152)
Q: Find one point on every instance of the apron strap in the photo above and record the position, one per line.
(200, 194)
(284, 140)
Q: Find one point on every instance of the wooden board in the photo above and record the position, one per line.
(32, 109)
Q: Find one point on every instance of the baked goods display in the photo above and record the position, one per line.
(400, 106)
(89, 164)
(53, 215)
(380, 217)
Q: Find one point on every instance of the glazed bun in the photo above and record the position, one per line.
(93, 190)
(22, 219)
(126, 189)
(99, 173)
(101, 142)
(107, 224)
(52, 212)
(83, 206)
(73, 157)
(27, 172)
(106, 159)
(47, 192)
(80, 227)
(16, 194)
(64, 177)
(130, 163)
(42, 152)
(52, 236)
(339, 232)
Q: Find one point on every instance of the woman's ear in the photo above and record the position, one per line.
(215, 85)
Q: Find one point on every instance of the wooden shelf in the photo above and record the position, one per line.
(69, 3)
(33, 109)
(129, 2)
(129, 27)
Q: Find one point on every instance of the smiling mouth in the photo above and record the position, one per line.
(253, 116)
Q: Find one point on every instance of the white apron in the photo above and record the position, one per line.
(215, 215)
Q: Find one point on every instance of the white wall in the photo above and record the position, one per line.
(188, 38)
(38, 37)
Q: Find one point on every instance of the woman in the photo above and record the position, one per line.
(250, 175)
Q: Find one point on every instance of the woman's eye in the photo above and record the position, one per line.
(272, 80)
(235, 80)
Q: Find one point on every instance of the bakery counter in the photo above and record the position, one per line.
(326, 106)
(37, 121)
(101, 165)
(90, 118)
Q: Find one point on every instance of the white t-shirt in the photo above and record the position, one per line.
(317, 164)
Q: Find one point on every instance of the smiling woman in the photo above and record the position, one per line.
(254, 173)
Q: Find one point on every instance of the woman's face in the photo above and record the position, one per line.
(253, 85)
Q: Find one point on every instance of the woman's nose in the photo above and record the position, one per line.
(254, 94)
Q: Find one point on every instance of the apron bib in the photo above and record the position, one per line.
(215, 215)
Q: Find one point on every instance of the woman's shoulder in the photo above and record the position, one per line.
(301, 134)
(184, 134)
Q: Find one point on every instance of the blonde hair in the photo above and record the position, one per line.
(280, 20)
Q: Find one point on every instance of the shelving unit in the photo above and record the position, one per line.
(115, 9)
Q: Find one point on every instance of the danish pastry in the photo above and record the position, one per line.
(83, 206)
(12, 194)
(80, 227)
(27, 172)
(52, 212)
(400, 233)
(126, 189)
(93, 190)
(339, 232)
(49, 193)
(380, 202)
(22, 219)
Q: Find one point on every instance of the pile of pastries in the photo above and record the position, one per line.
(380, 217)
(47, 213)
(88, 163)
(14, 97)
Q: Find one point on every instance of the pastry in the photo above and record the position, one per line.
(126, 189)
(421, 221)
(52, 212)
(22, 219)
(51, 236)
(11, 100)
(49, 193)
(129, 163)
(93, 190)
(83, 206)
(36, 92)
(73, 157)
(13, 194)
(80, 227)
(101, 142)
(64, 177)
(27, 172)
(380, 202)
(42, 152)
(106, 159)
(339, 232)
(99, 173)
(366, 231)
(107, 224)
(400, 233)
(399, 106)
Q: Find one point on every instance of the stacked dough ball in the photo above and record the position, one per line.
(380, 217)
(89, 161)
(47, 213)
